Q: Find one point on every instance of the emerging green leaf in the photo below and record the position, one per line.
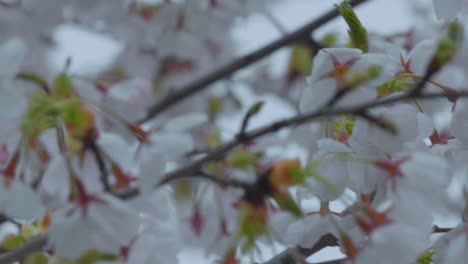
(357, 32)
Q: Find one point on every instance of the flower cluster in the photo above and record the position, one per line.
(87, 165)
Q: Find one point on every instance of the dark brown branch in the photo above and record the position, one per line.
(188, 171)
(437, 229)
(199, 85)
(299, 254)
(221, 180)
(191, 169)
(90, 143)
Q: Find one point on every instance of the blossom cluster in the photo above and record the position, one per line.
(83, 165)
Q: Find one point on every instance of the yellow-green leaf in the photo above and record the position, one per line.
(447, 46)
(34, 78)
(214, 106)
(243, 159)
(12, 242)
(287, 203)
(92, 256)
(36, 258)
(426, 258)
(254, 109)
(301, 59)
(63, 86)
(357, 32)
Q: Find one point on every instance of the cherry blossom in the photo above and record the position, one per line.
(107, 226)
(133, 163)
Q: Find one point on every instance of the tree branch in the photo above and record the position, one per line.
(186, 172)
(199, 85)
(299, 254)
(192, 169)
(35, 244)
(221, 180)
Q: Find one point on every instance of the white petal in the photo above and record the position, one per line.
(317, 94)
(117, 148)
(332, 146)
(185, 122)
(12, 100)
(172, 144)
(421, 55)
(23, 202)
(12, 54)
(55, 184)
(459, 126)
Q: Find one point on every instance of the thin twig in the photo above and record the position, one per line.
(242, 62)
(185, 172)
(192, 169)
(437, 229)
(250, 113)
(36, 243)
(4, 219)
(189, 170)
(275, 22)
(299, 254)
(221, 180)
(90, 143)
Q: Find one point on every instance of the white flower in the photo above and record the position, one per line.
(19, 201)
(459, 126)
(158, 237)
(131, 98)
(107, 226)
(167, 146)
(54, 189)
(387, 240)
(331, 169)
(410, 126)
(309, 229)
(12, 102)
(333, 70)
(451, 247)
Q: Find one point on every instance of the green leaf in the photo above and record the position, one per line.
(249, 228)
(397, 84)
(329, 39)
(287, 203)
(254, 109)
(447, 46)
(92, 256)
(213, 139)
(298, 175)
(63, 87)
(56, 260)
(36, 258)
(301, 59)
(358, 77)
(426, 258)
(357, 32)
(345, 123)
(214, 106)
(12, 242)
(243, 159)
(31, 77)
